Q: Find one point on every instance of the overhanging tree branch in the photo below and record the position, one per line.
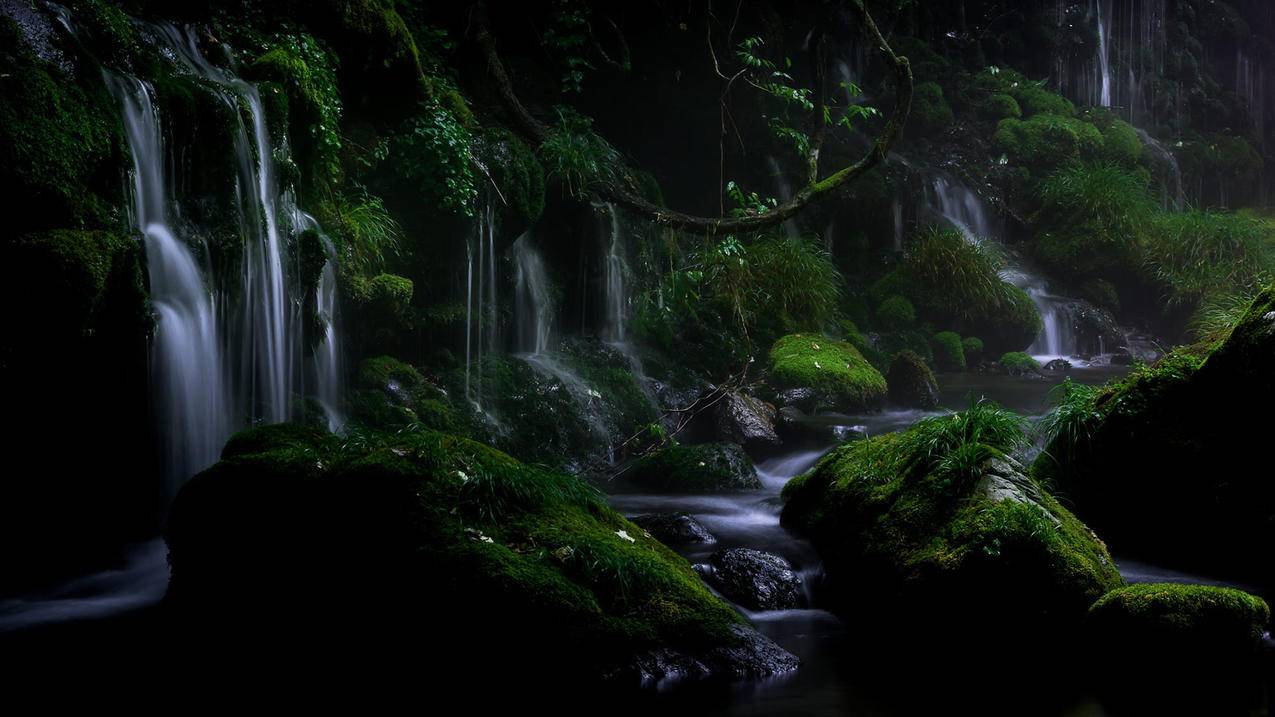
(536, 131)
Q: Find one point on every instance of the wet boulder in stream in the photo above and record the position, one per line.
(747, 421)
(675, 529)
(704, 468)
(912, 383)
(754, 579)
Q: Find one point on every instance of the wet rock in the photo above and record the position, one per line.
(675, 529)
(754, 579)
(911, 382)
(1058, 365)
(746, 420)
(753, 655)
(802, 399)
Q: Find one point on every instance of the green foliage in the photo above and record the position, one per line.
(1093, 219)
(432, 151)
(834, 368)
(369, 235)
(748, 204)
(1000, 106)
(964, 439)
(1161, 623)
(973, 348)
(1068, 427)
(577, 157)
(516, 171)
(1045, 142)
(1199, 253)
(930, 111)
(1121, 145)
(1220, 313)
(307, 69)
(896, 313)
(63, 160)
(567, 38)
(949, 354)
(1017, 363)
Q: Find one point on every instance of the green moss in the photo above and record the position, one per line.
(64, 163)
(949, 354)
(930, 111)
(517, 171)
(1047, 141)
(1171, 623)
(1000, 106)
(896, 313)
(935, 527)
(973, 348)
(703, 468)
(1017, 363)
(448, 526)
(1121, 145)
(834, 368)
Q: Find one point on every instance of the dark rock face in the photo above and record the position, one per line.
(1095, 329)
(756, 580)
(746, 420)
(755, 655)
(1058, 366)
(803, 399)
(675, 529)
(911, 382)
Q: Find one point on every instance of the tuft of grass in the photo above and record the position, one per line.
(960, 442)
(490, 492)
(1074, 416)
(1197, 254)
(369, 232)
(576, 156)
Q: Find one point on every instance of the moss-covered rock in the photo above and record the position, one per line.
(360, 544)
(949, 353)
(835, 369)
(937, 529)
(911, 382)
(930, 112)
(1163, 461)
(389, 394)
(703, 468)
(896, 313)
(1017, 363)
(973, 348)
(1047, 141)
(1178, 627)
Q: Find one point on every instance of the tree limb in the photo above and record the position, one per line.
(536, 131)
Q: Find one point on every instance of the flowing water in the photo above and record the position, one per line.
(961, 207)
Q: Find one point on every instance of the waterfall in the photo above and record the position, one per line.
(1169, 161)
(1104, 59)
(533, 298)
(616, 296)
(784, 189)
(896, 212)
(222, 357)
(328, 365)
(481, 310)
(191, 393)
(960, 207)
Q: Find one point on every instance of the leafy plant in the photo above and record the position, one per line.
(371, 233)
(1070, 424)
(577, 156)
(956, 441)
(433, 150)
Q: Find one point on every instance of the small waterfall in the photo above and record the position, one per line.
(960, 207)
(783, 188)
(191, 392)
(1167, 160)
(896, 211)
(616, 291)
(481, 310)
(1104, 59)
(328, 365)
(533, 299)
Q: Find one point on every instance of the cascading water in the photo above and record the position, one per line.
(1104, 59)
(965, 211)
(896, 213)
(616, 291)
(191, 391)
(222, 358)
(481, 329)
(1173, 190)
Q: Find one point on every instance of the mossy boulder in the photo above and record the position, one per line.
(973, 348)
(937, 530)
(896, 313)
(426, 538)
(834, 369)
(1178, 627)
(389, 394)
(703, 468)
(1166, 462)
(912, 383)
(1017, 363)
(949, 353)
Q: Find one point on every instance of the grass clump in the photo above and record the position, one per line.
(949, 352)
(1017, 363)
